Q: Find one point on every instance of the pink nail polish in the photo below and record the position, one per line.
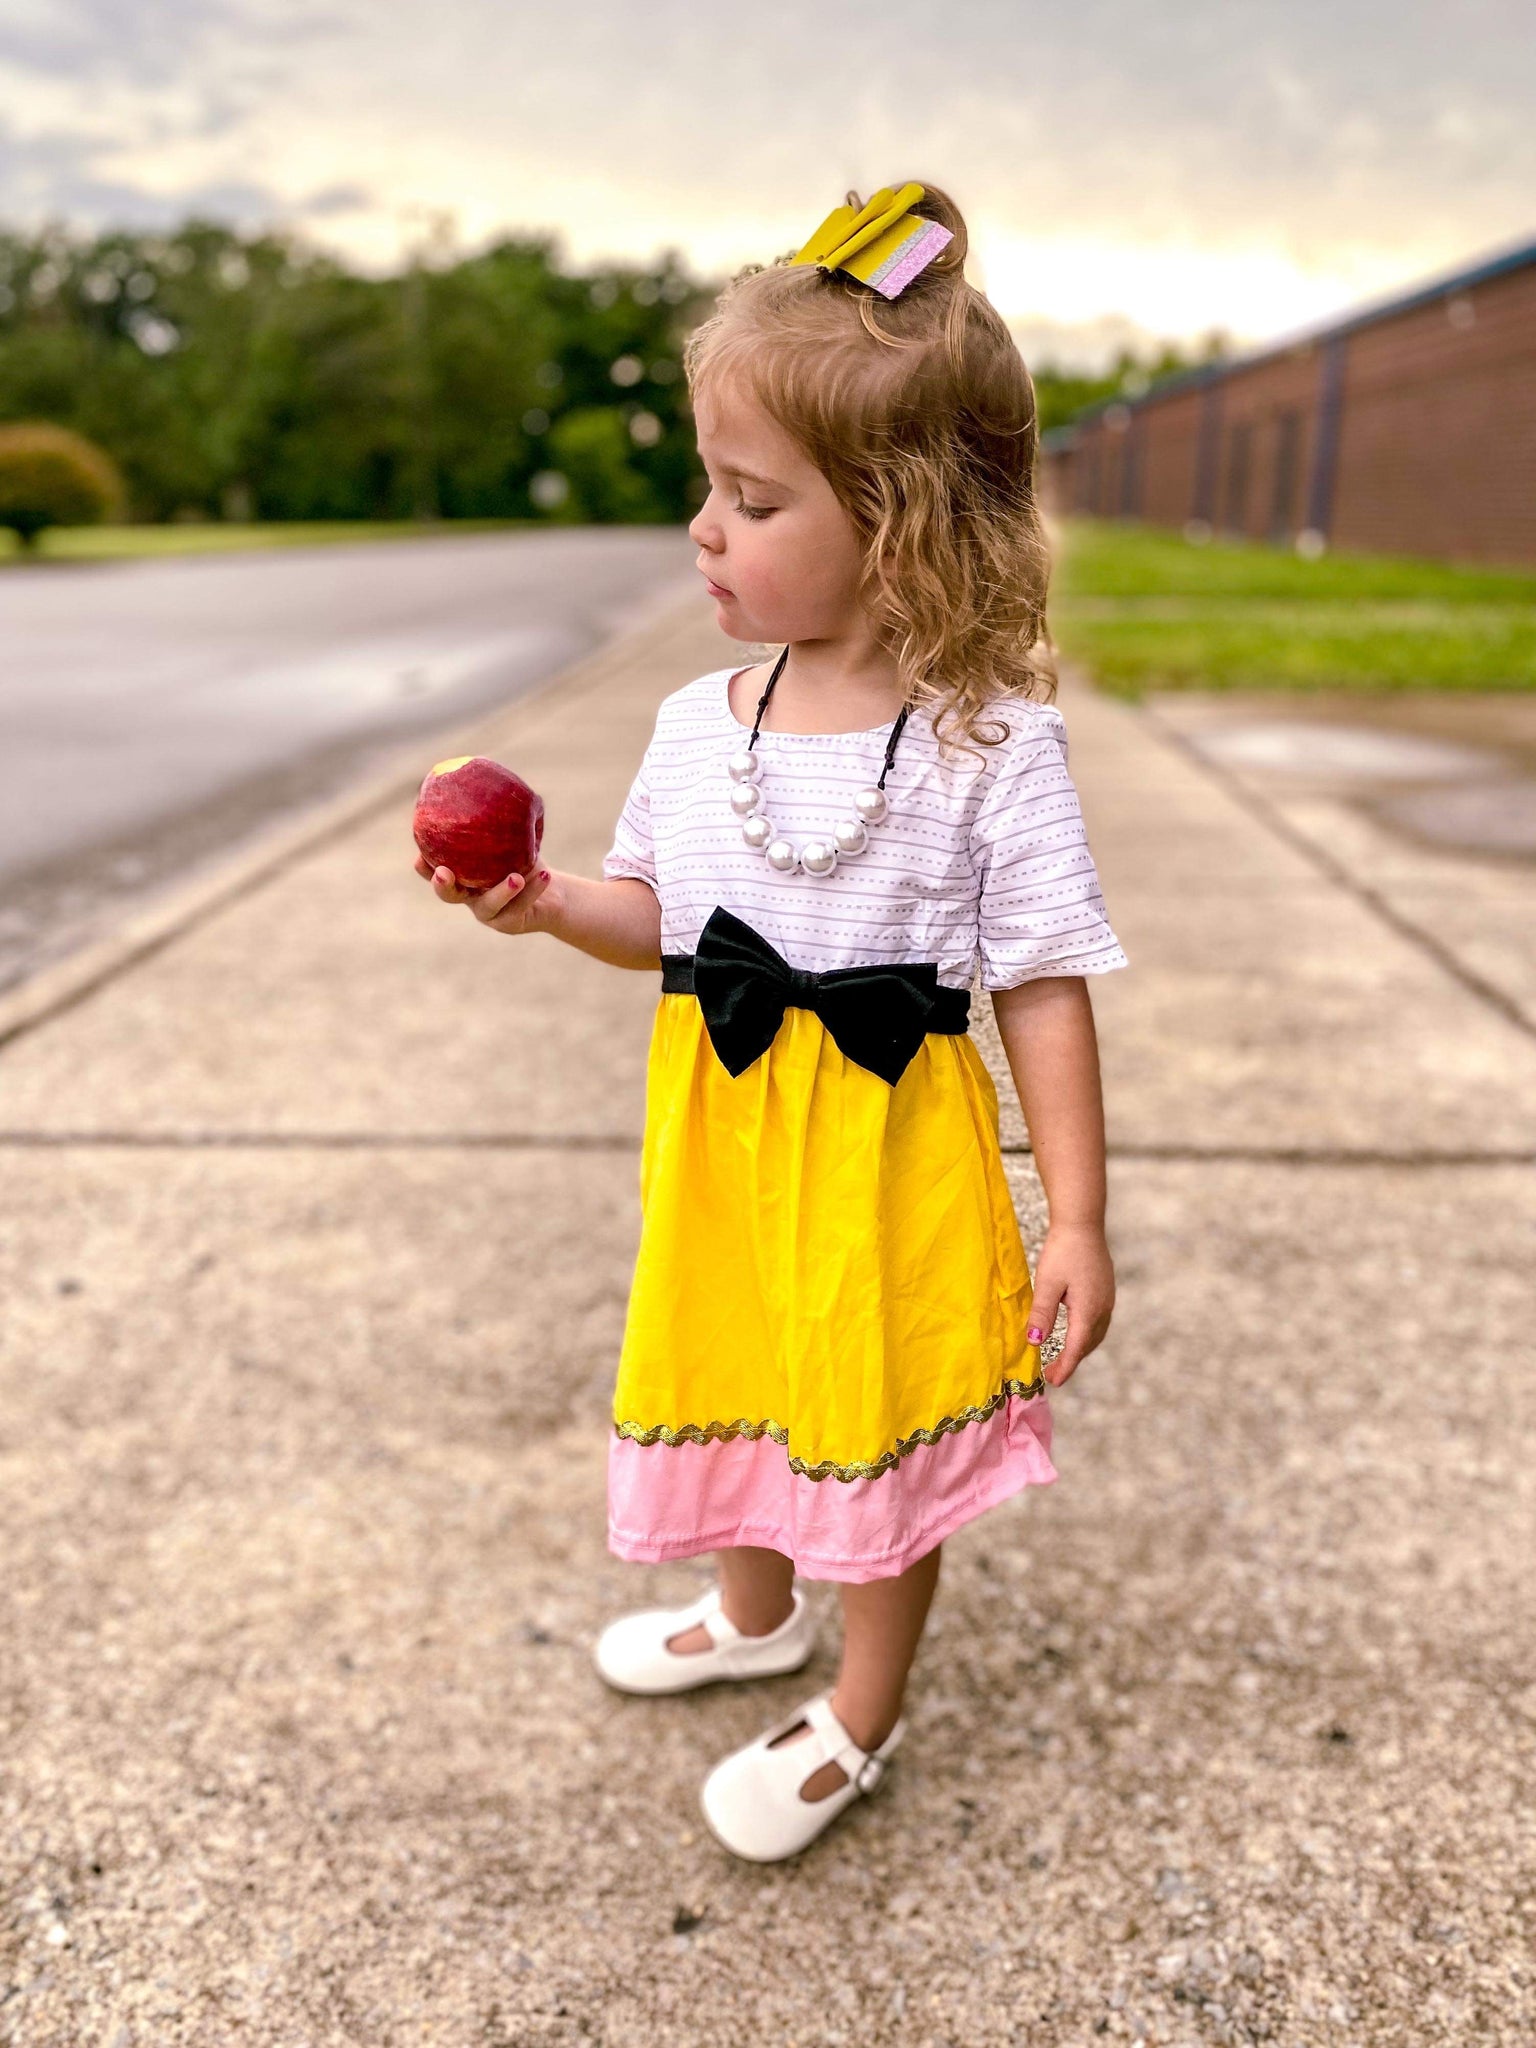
(1036, 1336)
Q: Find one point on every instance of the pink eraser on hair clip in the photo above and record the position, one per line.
(915, 254)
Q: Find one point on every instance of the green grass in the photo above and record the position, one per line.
(1143, 610)
(114, 543)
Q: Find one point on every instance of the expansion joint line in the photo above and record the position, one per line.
(1259, 807)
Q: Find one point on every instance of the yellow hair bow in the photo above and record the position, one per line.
(884, 244)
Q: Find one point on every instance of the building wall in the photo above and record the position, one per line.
(1413, 434)
(1166, 438)
(1437, 449)
(1265, 449)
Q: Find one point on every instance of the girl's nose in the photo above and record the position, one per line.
(704, 527)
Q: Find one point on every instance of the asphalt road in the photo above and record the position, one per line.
(152, 714)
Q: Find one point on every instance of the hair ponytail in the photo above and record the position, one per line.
(921, 415)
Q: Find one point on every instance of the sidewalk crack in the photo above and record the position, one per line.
(1259, 808)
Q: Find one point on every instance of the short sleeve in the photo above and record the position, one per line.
(1040, 910)
(633, 852)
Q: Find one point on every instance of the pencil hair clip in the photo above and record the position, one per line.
(883, 244)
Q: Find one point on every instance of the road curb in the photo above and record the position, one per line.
(53, 990)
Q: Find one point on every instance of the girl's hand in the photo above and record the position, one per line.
(1075, 1268)
(519, 904)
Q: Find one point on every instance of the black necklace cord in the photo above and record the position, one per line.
(890, 746)
(762, 702)
(762, 705)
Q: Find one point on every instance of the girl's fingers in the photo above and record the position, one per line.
(1042, 1313)
(1084, 1334)
(445, 886)
(512, 899)
(490, 903)
(423, 867)
(521, 910)
(1071, 1355)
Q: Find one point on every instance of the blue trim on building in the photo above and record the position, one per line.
(1130, 471)
(1325, 447)
(1208, 455)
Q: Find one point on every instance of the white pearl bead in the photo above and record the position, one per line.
(757, 831)
(744, 767)
(745, 798)
(871, 805)
(849, 835)
(782, 857)
(818, 856)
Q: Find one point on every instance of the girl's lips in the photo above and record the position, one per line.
(717, 589)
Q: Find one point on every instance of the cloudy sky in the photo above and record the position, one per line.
(1128, 168)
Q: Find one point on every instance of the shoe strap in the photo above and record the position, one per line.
(718, 1626)
(860, 1767)
(707, 1613)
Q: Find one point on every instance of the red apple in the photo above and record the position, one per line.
(479, 819)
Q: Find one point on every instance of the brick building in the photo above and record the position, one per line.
(1406, 428)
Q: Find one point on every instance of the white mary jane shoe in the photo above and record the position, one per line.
(631, 1654)
(752, 1800)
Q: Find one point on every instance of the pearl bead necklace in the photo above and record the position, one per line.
(817, 856)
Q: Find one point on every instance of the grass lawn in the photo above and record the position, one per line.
(114, 543)
(1142, 609)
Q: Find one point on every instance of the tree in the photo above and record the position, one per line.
(52, 477)
(231, 374)
(1062, 394)
(591, 448)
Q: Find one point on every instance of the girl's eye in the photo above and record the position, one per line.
(753, 511)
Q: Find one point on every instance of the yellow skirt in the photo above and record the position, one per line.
(825, 1350)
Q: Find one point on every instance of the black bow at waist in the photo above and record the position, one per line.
(878, 1016)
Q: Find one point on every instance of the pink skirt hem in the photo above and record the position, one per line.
(669, 1501)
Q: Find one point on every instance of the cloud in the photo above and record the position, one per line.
(1087, 345)
(333, 200)
(78, 40)
(1116, 159)
(149, 42)
(57, 174)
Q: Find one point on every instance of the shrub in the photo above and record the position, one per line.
(50, 476)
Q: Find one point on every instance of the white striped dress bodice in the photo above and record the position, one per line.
(977, 861)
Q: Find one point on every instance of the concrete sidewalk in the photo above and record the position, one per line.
(316, 1231)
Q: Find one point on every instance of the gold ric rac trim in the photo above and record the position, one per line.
(722, 1432)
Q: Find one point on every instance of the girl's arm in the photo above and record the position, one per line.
(1046, 1026)
(617, 919)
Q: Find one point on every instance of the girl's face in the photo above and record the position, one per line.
(778, 552)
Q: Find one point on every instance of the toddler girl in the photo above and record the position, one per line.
(832, 1353)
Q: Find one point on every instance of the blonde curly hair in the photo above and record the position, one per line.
(920, 413)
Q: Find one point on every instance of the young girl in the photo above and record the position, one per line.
(832, 1353)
